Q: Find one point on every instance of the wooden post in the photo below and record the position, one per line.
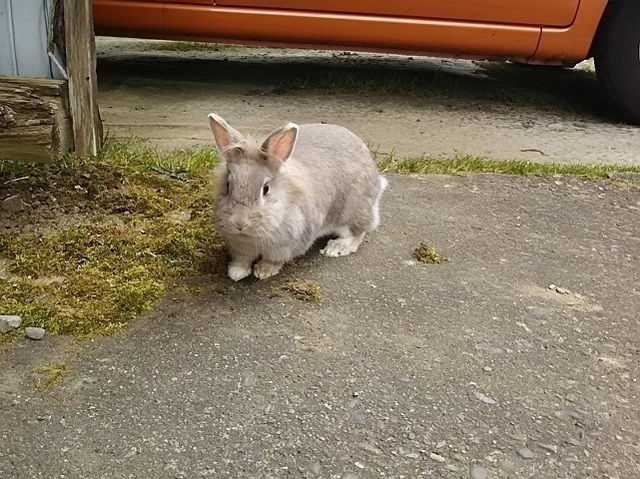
(35, 124)
(80, 46)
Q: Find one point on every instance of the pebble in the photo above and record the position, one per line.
(526, 453)
(256, 456)
(479, 472)
(452, 468)
(34, 333)
(358, 419)
(557, 127)
(13, 204)
(517, 437)
(359, 465)
(571, 397)
(436, 457)
(549, 447)
(484, 398)
(9, 323)
(540, 312)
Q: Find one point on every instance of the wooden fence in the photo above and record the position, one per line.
(48, 84)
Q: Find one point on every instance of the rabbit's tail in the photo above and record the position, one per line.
(375, 212)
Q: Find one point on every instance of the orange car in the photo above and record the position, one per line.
(556, 32)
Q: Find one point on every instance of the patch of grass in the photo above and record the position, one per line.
(50, 375)
(300, 289)
(475, 164)
(105, 237)
(427, 254)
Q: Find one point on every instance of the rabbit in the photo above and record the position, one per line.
(274, 198)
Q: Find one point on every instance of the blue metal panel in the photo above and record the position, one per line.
(23, 39)
(8, 63)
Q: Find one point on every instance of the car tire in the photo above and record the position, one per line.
(617, 56)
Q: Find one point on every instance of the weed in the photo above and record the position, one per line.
(300, 289)
(50, 375)
(426, 254)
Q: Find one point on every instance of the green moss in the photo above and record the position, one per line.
(427, 254)
(300, 289)
(49, 375)
(113, 244)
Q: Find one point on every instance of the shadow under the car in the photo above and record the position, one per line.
(468, 84)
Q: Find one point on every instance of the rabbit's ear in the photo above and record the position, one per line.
(226, 137)
(279, 145)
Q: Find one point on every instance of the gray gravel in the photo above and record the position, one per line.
(234, 384)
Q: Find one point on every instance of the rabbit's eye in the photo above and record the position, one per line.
(265, 190)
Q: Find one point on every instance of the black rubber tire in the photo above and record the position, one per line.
(617, 57)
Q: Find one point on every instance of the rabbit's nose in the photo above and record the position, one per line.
(240, 224)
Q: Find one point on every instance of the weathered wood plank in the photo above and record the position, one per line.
(35, 124)
(81, 69)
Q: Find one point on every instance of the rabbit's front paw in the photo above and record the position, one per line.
(265, 269)
(341, 246)
(238, 271)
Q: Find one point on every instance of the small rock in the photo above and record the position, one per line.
(479, 472)
(517, 437)
(557, 127)
(525, 453)
(359, 465)
(256, 456)
(540, 312)
(9, 323)
(552, 286)
(436, 457)
(487, 368)
(484, 398)
(358, 419)
(571, 397)
(34, 333)
(13, 204)
(452, 467)
(549, 447)
(507, 466)
(562, 290)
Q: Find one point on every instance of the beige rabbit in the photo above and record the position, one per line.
(276, 197)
